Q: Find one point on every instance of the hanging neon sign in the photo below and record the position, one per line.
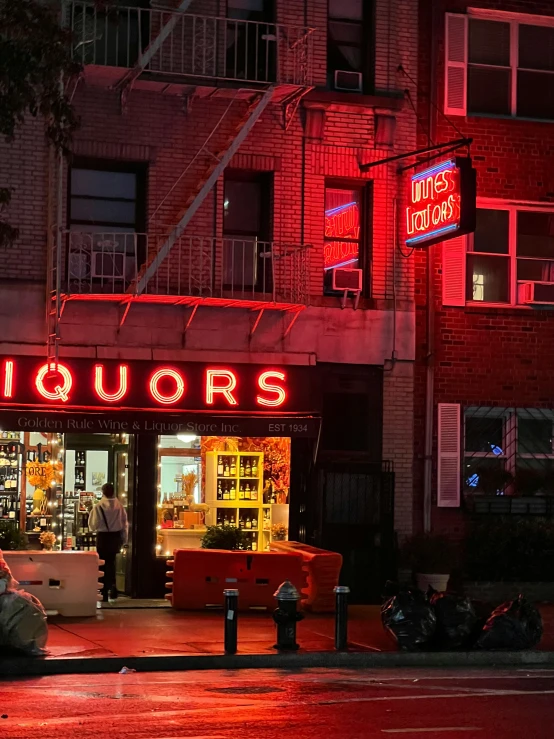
(441, 203)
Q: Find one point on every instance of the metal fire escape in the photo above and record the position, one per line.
(184, 53)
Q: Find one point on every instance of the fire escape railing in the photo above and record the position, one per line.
(204, 267)
(200, 47)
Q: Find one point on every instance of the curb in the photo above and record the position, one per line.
(33, 666)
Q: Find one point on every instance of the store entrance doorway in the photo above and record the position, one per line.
(357, 520)
(91, 460)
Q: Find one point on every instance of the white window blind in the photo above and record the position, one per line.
(454, 271)
(455, 78)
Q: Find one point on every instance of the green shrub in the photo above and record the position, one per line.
(428, 554)
(510, 548)
(11, 537)
(223, 537)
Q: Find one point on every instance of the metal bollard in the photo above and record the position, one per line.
(341, 617)
(230, 610)
(286, 616)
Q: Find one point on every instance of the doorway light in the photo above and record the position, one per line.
(186, 438)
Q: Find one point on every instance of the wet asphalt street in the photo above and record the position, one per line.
(267, 704)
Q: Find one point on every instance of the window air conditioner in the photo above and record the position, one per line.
(537, 293)
(348, 81)
(349, 280)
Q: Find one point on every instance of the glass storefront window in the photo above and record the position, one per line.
(221, 481)
(49, 483)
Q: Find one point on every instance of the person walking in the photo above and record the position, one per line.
(108, 519)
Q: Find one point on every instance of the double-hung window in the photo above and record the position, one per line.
(106, 214)
(499, 65)
(509, 260)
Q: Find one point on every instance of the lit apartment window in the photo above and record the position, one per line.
(106, 213)
(499, 66)
(510, 258)
(342, 235)
(247, 251)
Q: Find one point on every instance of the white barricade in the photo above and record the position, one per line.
(64, 582)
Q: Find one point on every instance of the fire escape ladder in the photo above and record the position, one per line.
(146, 57)
(54, 305)
(203, 187)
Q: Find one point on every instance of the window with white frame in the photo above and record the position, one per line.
(499, 65)
(508, 451)
(512, 247)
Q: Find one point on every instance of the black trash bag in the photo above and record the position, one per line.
(456, 619)
(409, 619)
(516, 624)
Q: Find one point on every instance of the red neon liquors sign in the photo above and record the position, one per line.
(72, 383)
(441, 203)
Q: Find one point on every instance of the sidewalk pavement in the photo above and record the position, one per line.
(159, 638)
(127, 632)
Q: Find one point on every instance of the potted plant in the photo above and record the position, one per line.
(223, 537)
(431, 557)
(11, 537)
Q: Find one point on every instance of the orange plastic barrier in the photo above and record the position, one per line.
(322, 570)
(199, 577)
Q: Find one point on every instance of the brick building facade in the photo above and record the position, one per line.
(166, 130)
(487, 354)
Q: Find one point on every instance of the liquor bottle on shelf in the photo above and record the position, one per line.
(219, 491)
(248, 469)
(226, 468)
(241, 467)
(12, 510)
(2, 484)
(241, 522)
(233, 467)
(248, 523)
(254, 522)
(233, 491)
(220, 466)
(254, 545)
(254, 491)
(226, 492)
(247, 492)
(241, 491)
(254, 468)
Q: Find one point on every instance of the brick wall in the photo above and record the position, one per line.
(483, 356)
(159, 129)
(398, 409)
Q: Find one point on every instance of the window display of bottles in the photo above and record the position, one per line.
(80, 470)
(10, 476)
(8, 508)
(226, 518)
(226, 490)
(15, 435)
(234, 494)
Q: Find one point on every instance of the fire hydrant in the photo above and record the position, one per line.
(286, 616)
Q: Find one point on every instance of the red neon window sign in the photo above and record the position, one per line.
(342, 229)
(158, 394)
(220, 381)
(59, 379)
(120, 393)
(8, 378)
(269, 387)
(434, 208)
